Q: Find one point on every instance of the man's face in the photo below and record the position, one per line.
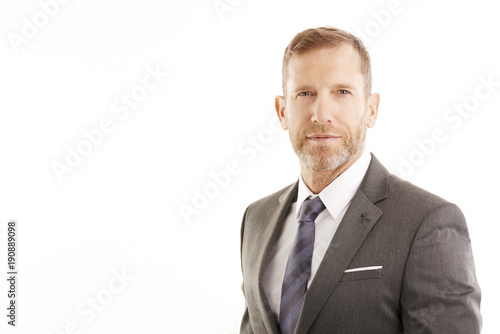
(326, 110)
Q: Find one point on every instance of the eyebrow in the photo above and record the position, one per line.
(344, 85)
(335, 86)
(302, 88)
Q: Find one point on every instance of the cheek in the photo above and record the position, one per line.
(299, 127)
(297, 110)
(296, 121)
(297, 114)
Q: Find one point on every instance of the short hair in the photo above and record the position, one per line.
(325, 37)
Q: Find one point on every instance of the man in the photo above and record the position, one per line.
(349, 248)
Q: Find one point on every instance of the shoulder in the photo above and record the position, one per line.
(422, 204)
(418, 210)
(380, 185)
(411, 193)
(401, 199)
(273, 200)
(260, 215)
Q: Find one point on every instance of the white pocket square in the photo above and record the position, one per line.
(362, 269)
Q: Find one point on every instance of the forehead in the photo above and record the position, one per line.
(330, 64)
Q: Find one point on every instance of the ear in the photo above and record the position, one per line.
(279, 104)
(373, 102)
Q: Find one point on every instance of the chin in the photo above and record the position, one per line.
(322, 162)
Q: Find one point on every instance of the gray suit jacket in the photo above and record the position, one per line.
(427, 283)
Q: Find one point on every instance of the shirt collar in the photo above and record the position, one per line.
(340, 191)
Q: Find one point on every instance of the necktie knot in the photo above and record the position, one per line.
(310, 209)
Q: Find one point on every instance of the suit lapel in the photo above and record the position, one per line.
(359, 219)
(272, 227)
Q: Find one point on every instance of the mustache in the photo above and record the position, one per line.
(321, 128)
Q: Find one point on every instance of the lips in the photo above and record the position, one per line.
(322, 136)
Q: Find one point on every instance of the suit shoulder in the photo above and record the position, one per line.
(256, 213)
(272, 199)
(396, 193)
(411, 209)
(411, 195)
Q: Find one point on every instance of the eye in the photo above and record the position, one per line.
(343, 92)
(304, 93)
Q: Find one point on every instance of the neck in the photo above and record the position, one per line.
(316, 180)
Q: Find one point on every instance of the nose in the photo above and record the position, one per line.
(322, 109)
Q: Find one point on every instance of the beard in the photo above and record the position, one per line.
(323, 156)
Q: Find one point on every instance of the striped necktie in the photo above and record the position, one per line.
(298, 267)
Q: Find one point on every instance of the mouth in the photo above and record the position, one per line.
(322, 137)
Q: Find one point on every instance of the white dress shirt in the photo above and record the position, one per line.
(336, 197)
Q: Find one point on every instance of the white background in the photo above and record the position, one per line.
(119, 209)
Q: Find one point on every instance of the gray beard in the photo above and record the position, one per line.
(318, 162)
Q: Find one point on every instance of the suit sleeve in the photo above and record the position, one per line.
(246, 327)
(440, 293)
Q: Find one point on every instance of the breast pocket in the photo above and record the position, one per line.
(363, 273)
